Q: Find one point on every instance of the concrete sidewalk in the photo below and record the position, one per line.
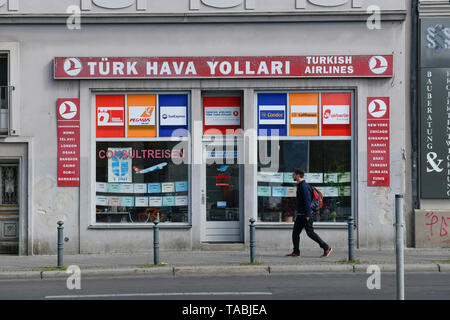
(222, 262)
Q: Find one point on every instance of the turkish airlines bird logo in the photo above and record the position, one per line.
(68, 110)
(377, 108)
(72, 66)
(378, 64)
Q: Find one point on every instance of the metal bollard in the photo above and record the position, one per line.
(252, 240)
(351, 226)
(400, 269)
(156, 242)
(60, 243)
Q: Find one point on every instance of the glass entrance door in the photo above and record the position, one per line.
(223, 182)
(9, 208)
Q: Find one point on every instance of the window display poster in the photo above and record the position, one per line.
(168, 187)
(330, 177)
(119, 165)
(303, 114)
(141, 112)
(278, 191)
(155, 201)
(101, 201)
(141, 201)
(101, 187)
(336, 114)
(287, 177)
(173, 115)
(314, 177)
(127, 201)
(221, 114)
(110, 116)
(114, 187)
(272, 114)
(140, 188)
(181, 186)
(114, 201)
(181, 201)
(154, 188)
(127, 188)
(291, 192)
(264, 191)
(168, 201)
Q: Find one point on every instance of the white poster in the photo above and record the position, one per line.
(222, 116)
(101, 201)
(181, 200)
(172, 116)
(141, 202)
(313, 177)
(141, 116)
(119, 165)
(336, 114)
(304, 115)
(140, 188)
(101, 187)
(155, 202)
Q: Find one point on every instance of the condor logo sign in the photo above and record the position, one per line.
(141, 116)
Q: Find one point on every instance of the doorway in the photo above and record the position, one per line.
(9, 207)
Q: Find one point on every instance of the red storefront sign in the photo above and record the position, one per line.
(68, 142)
(318, 66)
(378, 136)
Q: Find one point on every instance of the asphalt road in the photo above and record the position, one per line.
(314, 286)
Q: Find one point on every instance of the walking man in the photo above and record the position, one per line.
(303, 217)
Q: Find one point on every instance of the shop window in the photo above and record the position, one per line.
(313, 119)
(4, 95)
(141, 174)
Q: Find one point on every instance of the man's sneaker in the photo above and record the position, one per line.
(326, 253)
(293, 254)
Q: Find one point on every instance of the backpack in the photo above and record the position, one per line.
(316, 199)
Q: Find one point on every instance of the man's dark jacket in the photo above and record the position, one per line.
(303, 199)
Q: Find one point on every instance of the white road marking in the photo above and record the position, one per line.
(118, 295)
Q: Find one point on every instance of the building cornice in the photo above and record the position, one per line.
(188, 18)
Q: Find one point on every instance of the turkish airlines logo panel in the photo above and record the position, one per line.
(68, 109)
(322, 66)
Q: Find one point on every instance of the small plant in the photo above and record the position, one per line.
(62, 268)
(144, 266)
(251, 263)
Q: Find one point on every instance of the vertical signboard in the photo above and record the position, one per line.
(378, 141)
(110, 116)
(304, 114)
(68, 142)
(221, 115)
(272, 114)
(435, 108)
(336, 114)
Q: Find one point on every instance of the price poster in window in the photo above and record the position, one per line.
(119, 165)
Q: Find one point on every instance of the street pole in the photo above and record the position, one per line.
(400, 268)
(351, 226)
(60, 243)
(252, 240)
(156, 242)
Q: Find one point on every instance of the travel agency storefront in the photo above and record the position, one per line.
(200, 123)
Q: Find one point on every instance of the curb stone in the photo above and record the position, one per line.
(213, 270)
(444, 267)
(111, 272)
(20, 275)
(310, 268)
(393, 267)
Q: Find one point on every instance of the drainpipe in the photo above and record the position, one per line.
(414, 102)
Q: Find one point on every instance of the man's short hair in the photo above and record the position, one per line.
(300, 172)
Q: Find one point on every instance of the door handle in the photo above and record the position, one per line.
(203, 197)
